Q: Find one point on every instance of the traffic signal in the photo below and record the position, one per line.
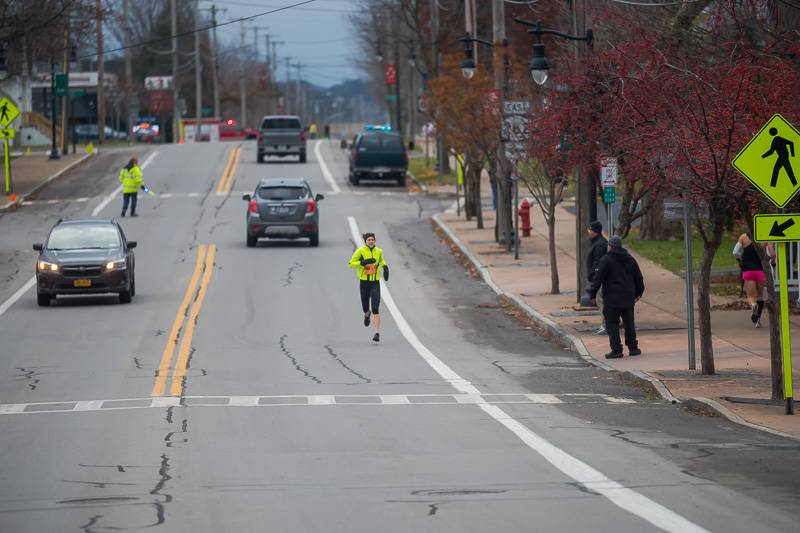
(229, 122)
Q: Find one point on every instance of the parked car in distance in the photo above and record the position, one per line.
(282, 209)
(230, 130)
(378, 155)
(85, 257)
(281, 135)
(88, 132)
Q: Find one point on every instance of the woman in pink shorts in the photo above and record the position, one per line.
(752, 274)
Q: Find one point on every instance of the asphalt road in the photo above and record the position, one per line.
(240, 390)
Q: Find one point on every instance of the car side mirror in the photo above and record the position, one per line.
(246, 197)
(38, 247)
(319, 197)
(132, 244)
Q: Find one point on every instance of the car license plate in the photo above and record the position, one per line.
(281, 210)
(82, 283)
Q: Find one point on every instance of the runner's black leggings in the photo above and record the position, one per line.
(370, 291)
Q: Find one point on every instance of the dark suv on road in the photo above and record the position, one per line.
(85, 257)
(283, 209)
(378, 155)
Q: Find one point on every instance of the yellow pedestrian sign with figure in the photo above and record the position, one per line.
(771, 160)
(8, 112)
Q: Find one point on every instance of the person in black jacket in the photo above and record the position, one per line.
(597, 249)
(621, 280)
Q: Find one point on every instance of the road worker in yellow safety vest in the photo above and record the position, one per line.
(131, 178)
(368, 261)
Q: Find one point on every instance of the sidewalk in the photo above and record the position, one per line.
(31, 173)
(741, 352)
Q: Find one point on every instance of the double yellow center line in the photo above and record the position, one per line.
(226, 181)
(187, 313)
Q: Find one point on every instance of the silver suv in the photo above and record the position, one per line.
(282, 209)
(281, 135)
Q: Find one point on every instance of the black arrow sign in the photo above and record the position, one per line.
(778, 229)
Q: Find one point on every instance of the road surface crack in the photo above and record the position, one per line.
(290, 275)
(338, 359)
(293, 359)
(29, 375)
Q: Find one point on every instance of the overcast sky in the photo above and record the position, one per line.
(318, 35)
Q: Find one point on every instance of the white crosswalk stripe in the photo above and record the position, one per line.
(314, 400)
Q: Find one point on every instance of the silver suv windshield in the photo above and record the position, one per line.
(80, 237)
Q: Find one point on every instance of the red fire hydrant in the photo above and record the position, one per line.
(525, 217)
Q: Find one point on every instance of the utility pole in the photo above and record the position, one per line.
(442, 163)
(65, 117)
(298, 99)
(503, 223)
(584, 195)
(275, 75)
(176, 113)
(128, 68)
(288, 84)
(242, 92)
(101, 97)
(214, 60)
(270, 79)
(198, 66)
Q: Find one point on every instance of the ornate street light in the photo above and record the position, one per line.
(539, 66)
(468, 66)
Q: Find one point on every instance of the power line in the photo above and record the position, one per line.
(192, 32)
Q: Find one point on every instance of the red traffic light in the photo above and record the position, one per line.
(229, 122)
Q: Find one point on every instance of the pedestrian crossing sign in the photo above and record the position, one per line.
(771, 160)
(8, 112)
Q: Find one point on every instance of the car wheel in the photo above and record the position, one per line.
(43, 299)
(251, 241)
(125, 297)
(302, 158)
(354, 179)
(260, 158)
(313, 239)
(133, 285)
(401, 181)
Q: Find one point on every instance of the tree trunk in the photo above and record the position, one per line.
(711, 245)
(551, 245)
(775, 355)
(477, 200)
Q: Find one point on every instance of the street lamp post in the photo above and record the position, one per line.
(585, 208)
(53, 151)
(504, 225)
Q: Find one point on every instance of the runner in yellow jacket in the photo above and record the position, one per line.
(131, 178)
(370, 264)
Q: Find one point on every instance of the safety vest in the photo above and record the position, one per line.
(131, 179)
(370, 272)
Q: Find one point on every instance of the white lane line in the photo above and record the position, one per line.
(623, 497)
(107, 200)
(325, 172)
(17, 295)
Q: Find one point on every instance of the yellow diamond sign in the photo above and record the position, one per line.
(771, 160)
(8, 112)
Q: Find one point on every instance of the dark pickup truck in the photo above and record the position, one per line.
(378, 156)
(281, 135)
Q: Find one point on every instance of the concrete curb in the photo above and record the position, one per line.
(572, 342)
(45, 183)
(422, 186)
(712, 407)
